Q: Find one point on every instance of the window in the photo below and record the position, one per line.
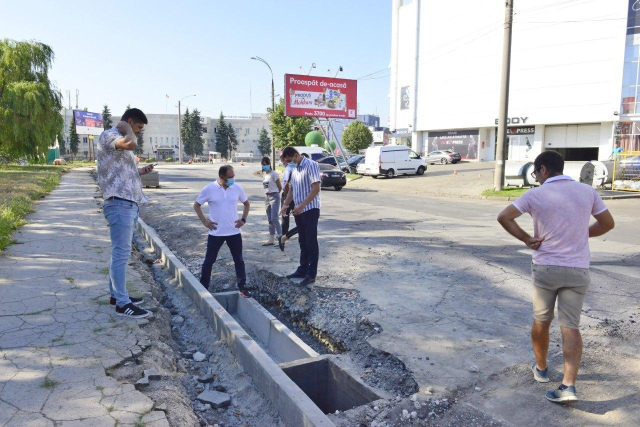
(150, 140)
(630, 86)
(204, 130)
(84, 140)
(238, 130)
(247, 131)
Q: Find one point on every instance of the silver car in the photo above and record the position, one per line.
(442, 157)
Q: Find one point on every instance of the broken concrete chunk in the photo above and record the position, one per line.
(215, 398)
(152, 374)
(474, 368)
(199, 357)
(178, 320)
(207, 379)
(162, 407)
(142, 383)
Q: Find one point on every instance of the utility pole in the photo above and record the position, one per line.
(498, 177)
(273, 109)
(77, 95)
(179, 133)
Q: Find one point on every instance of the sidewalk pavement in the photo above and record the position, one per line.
(58, 333)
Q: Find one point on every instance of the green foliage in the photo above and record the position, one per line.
(106, 116)
(169, 159)
(222, 137)
(74, 139)
(288, 131)
(357, 136)
(232, 139)
(184, 131)
(150, 160)
(140, 141)
(194, 144)
(61, 143)
(30, 104)
(264, 143)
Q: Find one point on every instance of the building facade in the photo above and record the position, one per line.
(574, 77)
(160, 137)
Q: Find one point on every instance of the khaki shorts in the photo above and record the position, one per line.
(568, 284)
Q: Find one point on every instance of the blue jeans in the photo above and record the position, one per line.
(272, 206)
(122, 216)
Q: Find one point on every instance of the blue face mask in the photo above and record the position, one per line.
(266, 168)
(292, 165)
(230, 181)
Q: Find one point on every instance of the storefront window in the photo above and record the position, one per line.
(628, 136)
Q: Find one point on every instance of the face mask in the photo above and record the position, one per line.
(230, 181)
(292, 165)
(266, 168)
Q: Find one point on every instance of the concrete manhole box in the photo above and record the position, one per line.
(329, 386)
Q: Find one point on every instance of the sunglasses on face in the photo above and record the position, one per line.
(535, 172)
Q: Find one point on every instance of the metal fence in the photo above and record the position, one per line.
(626, 171)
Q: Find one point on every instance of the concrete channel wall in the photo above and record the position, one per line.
(294, 406)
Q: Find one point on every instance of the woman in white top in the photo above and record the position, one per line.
(272, 189)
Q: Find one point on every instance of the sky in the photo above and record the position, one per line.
(137, 52)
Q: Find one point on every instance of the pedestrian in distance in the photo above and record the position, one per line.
(305, 183)
(224, 224)
(286, 188)
(121, 187)
(561, 209)
(272, 189)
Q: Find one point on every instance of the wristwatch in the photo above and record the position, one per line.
(243, 220)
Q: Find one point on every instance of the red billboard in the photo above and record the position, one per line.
(312, 96)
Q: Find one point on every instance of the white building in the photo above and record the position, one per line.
(161, 134)
(567, 91)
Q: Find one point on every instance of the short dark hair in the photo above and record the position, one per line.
(265, 160)
(223, 170)
(305, 155)
(289, 152)
(553, 161)
(134, 114)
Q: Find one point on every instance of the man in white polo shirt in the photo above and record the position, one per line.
(561, 209)
(224, 224)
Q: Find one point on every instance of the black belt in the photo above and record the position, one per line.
(120, 198)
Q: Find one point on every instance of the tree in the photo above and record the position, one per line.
(232, 139)
(30, 104)
(140, 141)
(196, 143)
(74, 140)
(264, 143)
(184, 130)
(61, 143)
(222, 141)
(356, 137)
(106, 116)
(288, 130)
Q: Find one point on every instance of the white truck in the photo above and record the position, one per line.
(392, 160)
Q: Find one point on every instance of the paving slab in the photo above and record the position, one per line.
(58, 334)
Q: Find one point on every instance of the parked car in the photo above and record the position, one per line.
(354, 161)
(330, 160)
(332, 177)
(443, 156)
(314, 152)
(392, 160)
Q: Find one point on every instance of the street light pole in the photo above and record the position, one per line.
(273, 109)
(180, 126)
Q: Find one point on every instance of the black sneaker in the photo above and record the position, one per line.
(132, 311)
(134, 301)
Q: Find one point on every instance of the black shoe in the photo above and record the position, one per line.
(297, 275)
(307, 281)
(134, 301)
(131, 311)
(280, 244)
(245, 293)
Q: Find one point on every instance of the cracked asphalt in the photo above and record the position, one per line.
(451, 290)
(58, 334)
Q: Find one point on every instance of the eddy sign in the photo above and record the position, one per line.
(312, 96)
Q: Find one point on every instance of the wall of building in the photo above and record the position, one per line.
(566, 66)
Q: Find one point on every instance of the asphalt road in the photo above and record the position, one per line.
(452, 290)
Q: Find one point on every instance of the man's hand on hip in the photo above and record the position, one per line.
(298, 210)
(534, 242)
(210, 224)
(239, 223)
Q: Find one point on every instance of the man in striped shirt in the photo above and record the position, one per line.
(305, 183)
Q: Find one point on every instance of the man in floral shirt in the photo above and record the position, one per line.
(119, 181)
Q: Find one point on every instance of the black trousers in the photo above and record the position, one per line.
(307, 223)
(213, 247)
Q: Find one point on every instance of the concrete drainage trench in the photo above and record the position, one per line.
(317, 337)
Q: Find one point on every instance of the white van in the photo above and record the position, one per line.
(392, 160)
